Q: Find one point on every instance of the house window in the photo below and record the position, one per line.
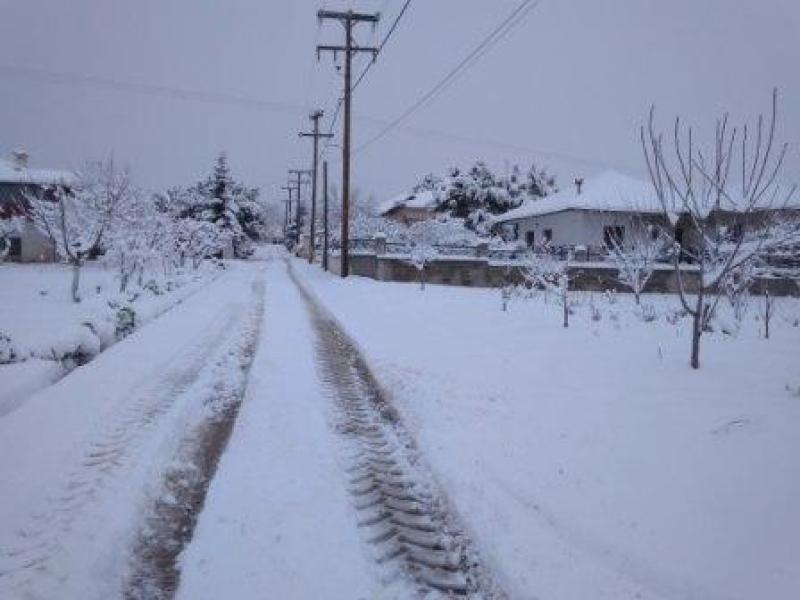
(516, 231)
(613, 235)
(530, 238)
(547, 236)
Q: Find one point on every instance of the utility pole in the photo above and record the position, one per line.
(348, 19)
(325, 215)
(287, 213)
(298, 173)
(316, 135)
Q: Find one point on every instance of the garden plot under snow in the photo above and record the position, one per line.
(43, 332)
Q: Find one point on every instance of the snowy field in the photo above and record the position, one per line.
(592, 462)
(47, 329)
(85, 463)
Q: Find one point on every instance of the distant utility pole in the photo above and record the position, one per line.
(325, 215)
(298, 173)
(287, 209)
(348, 19)
(316, 135)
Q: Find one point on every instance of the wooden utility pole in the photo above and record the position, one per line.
(325, 215)
(298, 173)
(348, 19)
(287, 212)
(316, 135)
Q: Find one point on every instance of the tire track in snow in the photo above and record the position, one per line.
(41, 556)
(404, 514)
(170, 520)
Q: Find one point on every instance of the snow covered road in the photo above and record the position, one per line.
(321, 493)
(82, 462)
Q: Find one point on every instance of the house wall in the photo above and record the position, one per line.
(34, 246)
(579, 227)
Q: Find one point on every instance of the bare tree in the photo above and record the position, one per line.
(637, 256)
(720, 226)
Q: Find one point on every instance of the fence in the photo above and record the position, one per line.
(483, 266)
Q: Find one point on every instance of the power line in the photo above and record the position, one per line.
(338, 109)
(150, 89)
(383, 43)
(498, 33)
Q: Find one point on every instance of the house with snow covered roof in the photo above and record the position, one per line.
(611, 206)
(589, 214)
(17, 180)
(410, 208)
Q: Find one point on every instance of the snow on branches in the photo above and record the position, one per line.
(721, 225)
(637, 256)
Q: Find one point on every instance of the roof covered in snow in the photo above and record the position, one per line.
(615, 192)
(423, 199)
(609, 192)
(10, 173)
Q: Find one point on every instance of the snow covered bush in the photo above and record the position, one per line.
(125, 321)
(7, 352)
(8, 229)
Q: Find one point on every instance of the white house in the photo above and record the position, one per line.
(16, 180)
(590, 214)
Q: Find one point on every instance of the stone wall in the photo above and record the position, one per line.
(481, 272)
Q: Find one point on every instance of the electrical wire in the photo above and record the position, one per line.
(382, 44)
(152, 89)
(514, 18)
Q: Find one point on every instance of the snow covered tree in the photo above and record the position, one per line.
(423, 248)
(540, 183)
(78, 219)
(8, 229)
(231, 207)
(71, 223)
(552, 275)
(637, 256)
(723, 226)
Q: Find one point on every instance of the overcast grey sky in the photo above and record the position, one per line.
(576, 78)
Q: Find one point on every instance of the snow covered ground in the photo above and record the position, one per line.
(82, 461)
(45, 326)
(592, 462)
(588, 462)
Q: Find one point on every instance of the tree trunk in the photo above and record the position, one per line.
(76, 280)
(637, 295)
(697, 329)
(767, 313)
(565, 305)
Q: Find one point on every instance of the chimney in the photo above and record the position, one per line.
(19, 159)
(579, 184)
